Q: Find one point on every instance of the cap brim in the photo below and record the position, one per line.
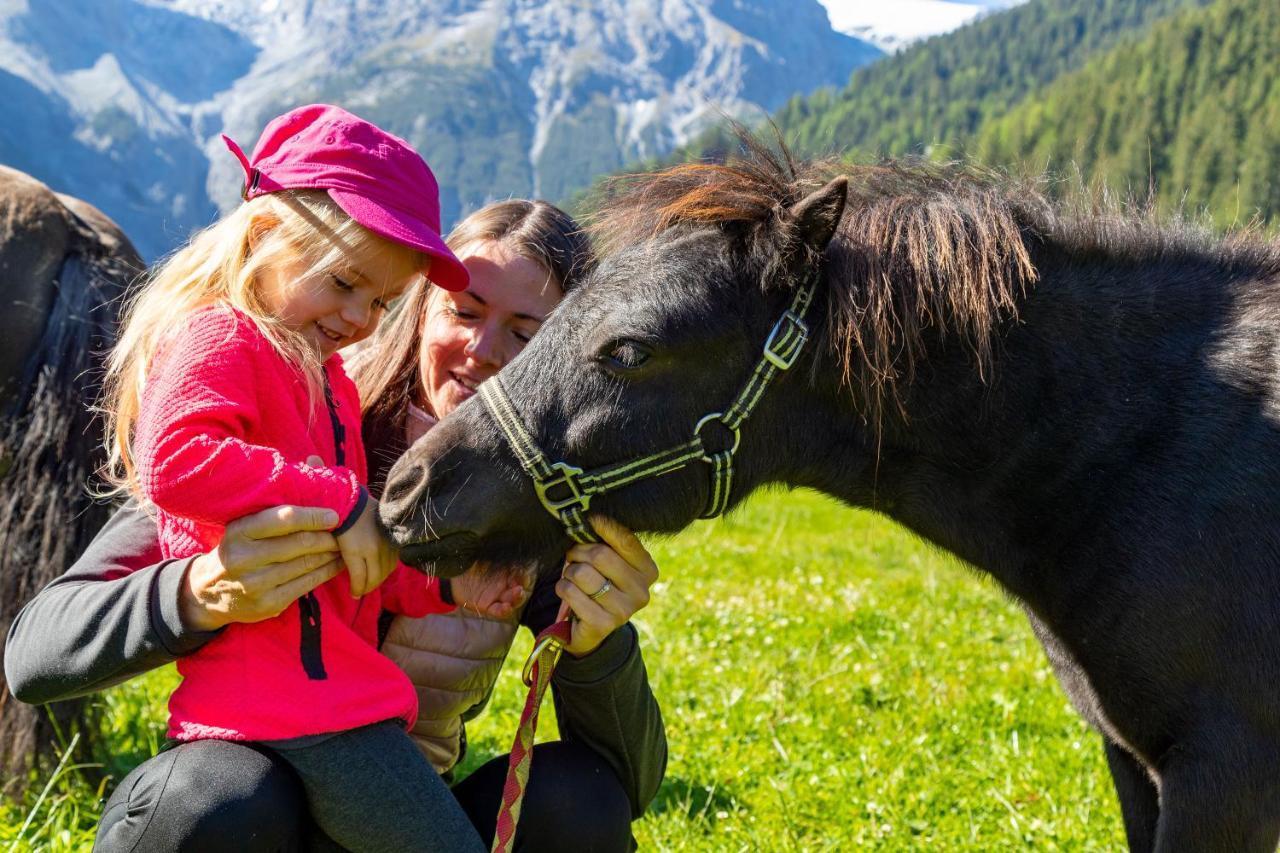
(446, 270)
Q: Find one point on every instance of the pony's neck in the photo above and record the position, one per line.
(1009, 471)
(944, 470)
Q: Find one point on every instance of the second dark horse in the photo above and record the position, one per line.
(1085, 406)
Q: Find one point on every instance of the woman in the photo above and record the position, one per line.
(121, 611)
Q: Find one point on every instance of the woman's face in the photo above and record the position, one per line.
(470, 336)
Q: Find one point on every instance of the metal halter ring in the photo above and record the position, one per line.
(734, 431)
(545, 643)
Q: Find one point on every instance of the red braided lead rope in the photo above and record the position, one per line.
(537, 674)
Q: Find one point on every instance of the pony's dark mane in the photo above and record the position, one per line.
(924, 249)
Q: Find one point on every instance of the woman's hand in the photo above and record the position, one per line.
(264, 563)
(624, 565)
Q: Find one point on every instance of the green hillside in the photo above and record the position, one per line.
(1194, 107)
(943, 90)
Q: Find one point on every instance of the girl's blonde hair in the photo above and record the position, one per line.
(221, 265)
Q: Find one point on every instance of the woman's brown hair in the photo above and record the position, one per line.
(386, 369)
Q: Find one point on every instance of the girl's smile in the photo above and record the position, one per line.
(332, 309)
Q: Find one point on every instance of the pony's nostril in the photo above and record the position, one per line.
(403, 489)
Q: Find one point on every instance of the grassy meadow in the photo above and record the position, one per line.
(828, 681)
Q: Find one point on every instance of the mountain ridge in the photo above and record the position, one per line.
(504, 97)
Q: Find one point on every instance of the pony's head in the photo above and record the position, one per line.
(699, 265)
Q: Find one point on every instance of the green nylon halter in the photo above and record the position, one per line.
(781, 350)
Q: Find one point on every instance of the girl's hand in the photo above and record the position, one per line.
(491, 594)
(369, 556)
(621, 562)
(264, 563)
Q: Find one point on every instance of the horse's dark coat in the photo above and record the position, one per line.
(1092, 416)
(63, 268)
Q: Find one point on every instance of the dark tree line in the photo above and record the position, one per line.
(942, 91)
(1192, 109)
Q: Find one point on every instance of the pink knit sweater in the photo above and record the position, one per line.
(224, 430)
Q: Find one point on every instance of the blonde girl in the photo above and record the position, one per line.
(227, 396)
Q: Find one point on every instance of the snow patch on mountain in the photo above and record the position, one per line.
(893, 24)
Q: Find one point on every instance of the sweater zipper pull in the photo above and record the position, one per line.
(310, 652)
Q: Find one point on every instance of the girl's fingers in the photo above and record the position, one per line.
(359, 575)
(513, 595)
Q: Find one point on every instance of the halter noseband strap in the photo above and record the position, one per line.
(566, 491)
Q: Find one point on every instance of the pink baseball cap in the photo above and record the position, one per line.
(376, 178)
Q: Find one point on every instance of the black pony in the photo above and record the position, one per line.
(63, 268)
(1084, 405)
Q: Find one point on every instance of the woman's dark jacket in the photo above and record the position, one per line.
(114, 615)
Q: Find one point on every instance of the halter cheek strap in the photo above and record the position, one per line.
(566, 490)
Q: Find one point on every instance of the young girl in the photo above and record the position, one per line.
(224, 388)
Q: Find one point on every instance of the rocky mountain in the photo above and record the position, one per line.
(121, 101)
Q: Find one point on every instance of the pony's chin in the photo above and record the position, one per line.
(446, 557)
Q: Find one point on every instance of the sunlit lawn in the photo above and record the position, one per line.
(828, 682)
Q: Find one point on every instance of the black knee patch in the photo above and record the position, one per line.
(203, 797)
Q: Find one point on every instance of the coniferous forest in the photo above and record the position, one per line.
(1179, 97)
(1193, 109)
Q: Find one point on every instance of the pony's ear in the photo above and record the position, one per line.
(817, 215)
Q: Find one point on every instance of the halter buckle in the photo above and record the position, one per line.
(568, 477)
(782, 347)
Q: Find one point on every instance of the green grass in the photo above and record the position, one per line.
(828, 681)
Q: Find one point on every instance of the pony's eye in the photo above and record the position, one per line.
(627, 355)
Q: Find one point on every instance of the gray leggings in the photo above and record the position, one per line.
(371, 790)
(218, 796)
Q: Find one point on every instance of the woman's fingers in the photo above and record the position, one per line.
(612, 598)
(605, 584)
(280, 551)
(244, 555)
(619, 572)
(627, 546)
(589, 613)
(269, 577)
(281, 521)
(290, 591)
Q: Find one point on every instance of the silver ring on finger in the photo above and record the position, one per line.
(604, 587)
